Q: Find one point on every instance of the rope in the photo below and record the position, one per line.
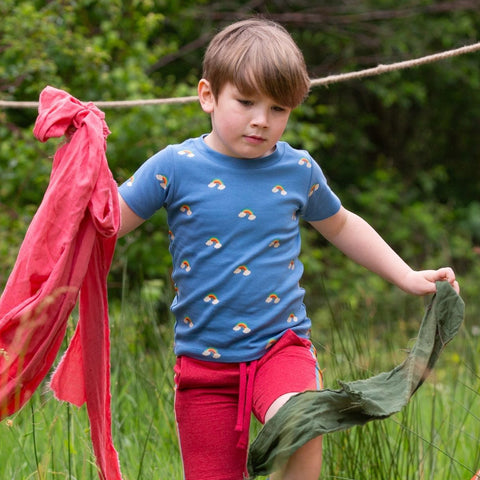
(107, 104)
(395, 66)
(330, 79)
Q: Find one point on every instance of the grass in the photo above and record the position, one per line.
(435, 437)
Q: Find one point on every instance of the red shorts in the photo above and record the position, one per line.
(214, 402)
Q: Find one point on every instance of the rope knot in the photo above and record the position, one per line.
(60, 114)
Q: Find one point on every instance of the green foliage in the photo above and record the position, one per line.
(418, 228)
(399, 148)
(435, 436)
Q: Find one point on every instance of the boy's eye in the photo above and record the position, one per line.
(248, 103)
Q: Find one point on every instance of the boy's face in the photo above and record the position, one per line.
(243, 126)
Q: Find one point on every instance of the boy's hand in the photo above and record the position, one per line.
(423, 282)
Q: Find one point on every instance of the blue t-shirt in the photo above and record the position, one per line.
(234, 241)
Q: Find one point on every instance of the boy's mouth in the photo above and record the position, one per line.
(254, 139)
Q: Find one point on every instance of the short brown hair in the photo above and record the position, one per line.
(257, 54)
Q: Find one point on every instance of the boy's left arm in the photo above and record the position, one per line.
(358, 240)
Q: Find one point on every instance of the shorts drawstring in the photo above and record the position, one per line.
(245, 401)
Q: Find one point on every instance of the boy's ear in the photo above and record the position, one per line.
(205, 96)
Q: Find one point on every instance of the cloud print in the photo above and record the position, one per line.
(247, 213)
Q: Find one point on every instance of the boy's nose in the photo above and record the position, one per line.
(260, 118)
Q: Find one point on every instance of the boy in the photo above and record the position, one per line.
(234, 198)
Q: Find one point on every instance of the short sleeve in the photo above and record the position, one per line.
(147, 189)
(322, 201)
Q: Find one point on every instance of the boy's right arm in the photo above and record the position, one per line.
(359, 241)
(129, 220)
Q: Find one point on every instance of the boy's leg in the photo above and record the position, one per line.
(306, 462)
(206, 406)
(289, 368)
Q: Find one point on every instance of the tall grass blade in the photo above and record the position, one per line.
(34, 437)
(144, 449)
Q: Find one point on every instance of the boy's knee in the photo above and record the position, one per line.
(277, 404)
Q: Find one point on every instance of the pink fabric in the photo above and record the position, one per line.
(245, 401)
(66, 255)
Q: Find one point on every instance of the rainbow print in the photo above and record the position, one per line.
(163, 180)
(273, 297)
(279, 188)
(291, 265)
(247, 213)
(130, 181)
(243, 269)
(187, 153)
(217, 183)
(270, 343)
(242, 327)
(185, 265)
(306, 162)
(292, 318)
(215, 242)
(186, 209)
(188, 321)
(211, 298)
(211, 351)
(314, 188)
(274, 243)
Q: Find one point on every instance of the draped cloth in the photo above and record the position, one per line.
(313, 413)
(64, 258)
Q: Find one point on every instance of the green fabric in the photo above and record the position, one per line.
(313, 413)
